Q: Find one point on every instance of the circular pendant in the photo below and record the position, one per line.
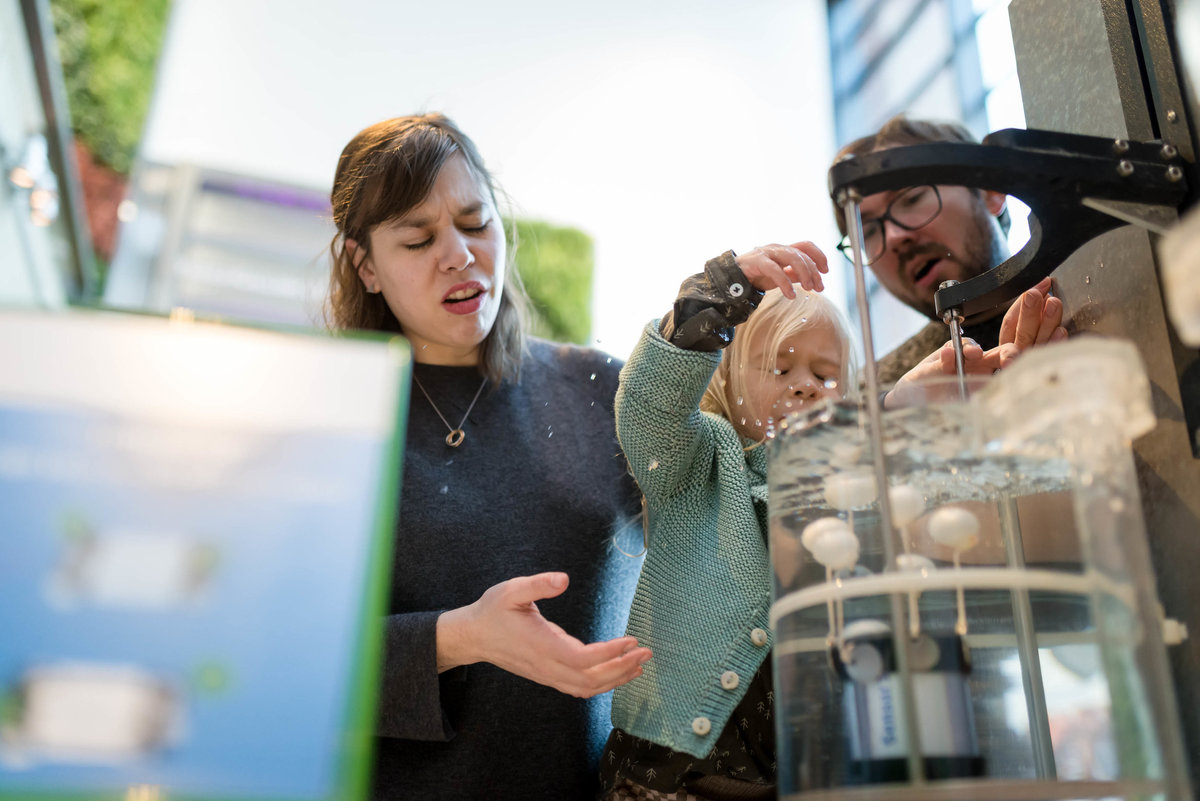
(455, 437)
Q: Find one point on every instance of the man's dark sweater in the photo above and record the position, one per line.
(538, 484)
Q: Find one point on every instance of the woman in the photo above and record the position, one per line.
(513, 486)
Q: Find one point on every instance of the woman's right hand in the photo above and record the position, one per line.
(772, 266)
(505, 627)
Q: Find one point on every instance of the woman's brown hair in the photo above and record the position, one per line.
(385, 171)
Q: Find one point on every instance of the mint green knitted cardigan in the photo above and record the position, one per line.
(706, 581)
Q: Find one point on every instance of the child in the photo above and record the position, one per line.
(700, 720)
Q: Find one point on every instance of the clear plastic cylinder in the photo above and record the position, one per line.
(999, 637)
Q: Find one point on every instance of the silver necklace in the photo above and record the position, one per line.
(456, 435)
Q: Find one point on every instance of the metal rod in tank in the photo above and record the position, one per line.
(953, 318)
(849, 200)
(1025, 630)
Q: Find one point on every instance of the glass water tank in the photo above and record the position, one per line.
(1000, 637)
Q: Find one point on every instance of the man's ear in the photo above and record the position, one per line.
(366, 271)
(995, 201)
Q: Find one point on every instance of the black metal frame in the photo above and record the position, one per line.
(1051, 172)
(82, 280)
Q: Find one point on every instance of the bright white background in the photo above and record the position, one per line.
(667, 130)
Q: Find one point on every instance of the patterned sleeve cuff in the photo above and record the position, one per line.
(710, 305)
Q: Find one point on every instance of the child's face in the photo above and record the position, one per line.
(806, 369)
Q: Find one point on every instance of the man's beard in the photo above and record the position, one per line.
(984, 247)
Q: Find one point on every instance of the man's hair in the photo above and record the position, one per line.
(900, 131)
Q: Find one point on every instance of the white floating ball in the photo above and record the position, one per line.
(954, 527)
(818, 528)
(907, 504)
(914, 563)
(850, 490)
(836, 549)
(865, 628)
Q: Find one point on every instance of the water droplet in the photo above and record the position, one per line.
(449, 462)
(551, 434)
(804, 319)
(743, 421)
(758, 423)
(444, 489)
(609, 360)
(593, 376)
(1087, 279)
(593, 403)
(831, 383)
(653, 464)
(791, 350)
(739, 400)
(777, 371)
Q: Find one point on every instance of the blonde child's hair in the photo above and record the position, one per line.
(782, 318)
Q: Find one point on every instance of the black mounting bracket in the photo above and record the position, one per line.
(1051, 172)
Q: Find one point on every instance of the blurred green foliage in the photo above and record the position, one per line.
(555, 264)
(109, 50)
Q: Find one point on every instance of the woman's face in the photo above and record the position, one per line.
(805, 368)
(441, 266)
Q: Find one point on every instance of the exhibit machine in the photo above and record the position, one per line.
(985, 591)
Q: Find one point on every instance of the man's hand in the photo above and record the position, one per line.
(1035, 318)
(920, 385)
(505, 627)
(781, 266)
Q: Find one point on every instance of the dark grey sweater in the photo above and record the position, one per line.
(538, 484)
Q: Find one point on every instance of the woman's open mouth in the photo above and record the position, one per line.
(463, 298)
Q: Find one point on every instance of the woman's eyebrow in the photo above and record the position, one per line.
(425, 221)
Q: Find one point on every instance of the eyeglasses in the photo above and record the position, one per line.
(910, 210)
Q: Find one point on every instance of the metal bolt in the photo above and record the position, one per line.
(1120, 146)
(1125, 168)
(1169, 152)
(1171, 115)
(1174, 174)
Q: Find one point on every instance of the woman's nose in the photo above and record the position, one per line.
(456, 254)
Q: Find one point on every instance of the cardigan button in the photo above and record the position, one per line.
(736, 290)
(758, 637)
(701, 726)
(730, 680)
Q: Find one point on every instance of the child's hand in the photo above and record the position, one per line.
(781, 266)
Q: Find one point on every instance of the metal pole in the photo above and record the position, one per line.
(1027, 649)
(953, 318)
(849, 200)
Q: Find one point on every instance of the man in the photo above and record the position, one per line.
(916, 238)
